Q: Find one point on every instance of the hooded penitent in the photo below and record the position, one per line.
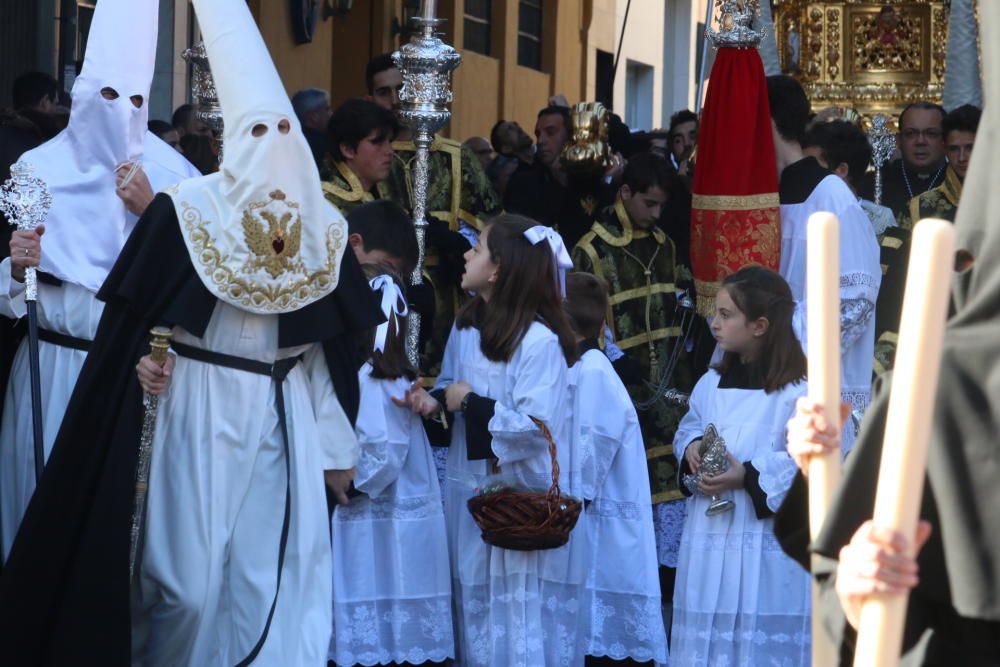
(88, 223)
(959, 563)
(259, 231)
(734, 209)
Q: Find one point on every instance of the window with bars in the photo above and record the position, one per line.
(478, 25)
(529, 34)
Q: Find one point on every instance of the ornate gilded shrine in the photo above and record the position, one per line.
(873, 56)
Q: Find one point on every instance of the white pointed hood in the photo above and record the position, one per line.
(88, 224)
(259, 232)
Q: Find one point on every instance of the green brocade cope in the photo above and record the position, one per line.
(643, 276)
(940, 202)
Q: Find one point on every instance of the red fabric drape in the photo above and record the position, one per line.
(734, 216)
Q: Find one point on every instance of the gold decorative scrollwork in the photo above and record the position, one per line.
(872, 55)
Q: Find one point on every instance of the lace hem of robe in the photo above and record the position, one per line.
(386, 631)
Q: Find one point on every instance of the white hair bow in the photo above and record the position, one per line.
(560, 257)
(393, 303)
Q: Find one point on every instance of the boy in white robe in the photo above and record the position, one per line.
(622, 603)
(805, 188)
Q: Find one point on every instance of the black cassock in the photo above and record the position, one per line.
(64, 591)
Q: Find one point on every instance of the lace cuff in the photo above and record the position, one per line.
(776, 471)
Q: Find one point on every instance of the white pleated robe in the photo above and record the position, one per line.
(514, 608)
(391, 579)
(739, 600)
(216, 502)
(623, 602)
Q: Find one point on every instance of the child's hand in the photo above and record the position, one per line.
(726, 481)
(454, 394)
(153, 379)
(877, 561)
(811, 434)
(692, 456)
(418, 400)
(339, 481)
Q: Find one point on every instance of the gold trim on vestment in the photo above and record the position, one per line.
(638, 292)
(648, 337)
(357, 191)
(657, 452)
(735, 203)
(279, 296)
(454, 149)
(665, 496)
(889, 337)
(892, 242)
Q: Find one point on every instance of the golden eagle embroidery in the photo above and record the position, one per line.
(275, 248)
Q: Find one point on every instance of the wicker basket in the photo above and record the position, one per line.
(527, 520)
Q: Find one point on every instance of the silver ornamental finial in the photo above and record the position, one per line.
(713, 462)
(736, 19)
(25, 202)
(203, 92)
(883, 143)
(426, 64)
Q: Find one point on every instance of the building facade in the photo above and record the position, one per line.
(515, 53)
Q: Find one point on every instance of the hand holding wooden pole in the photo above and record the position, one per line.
(908, 425)
(823, 338)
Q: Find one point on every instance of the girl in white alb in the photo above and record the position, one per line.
(391, 580)
(739, 599)
(506, 363)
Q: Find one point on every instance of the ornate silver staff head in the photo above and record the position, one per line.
(203, 92)
(24, 199)
(883, 143)
(714, 461)
(25, 202)
(426, 64)
(736, 19)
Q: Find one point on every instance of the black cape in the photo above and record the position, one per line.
(64, 591)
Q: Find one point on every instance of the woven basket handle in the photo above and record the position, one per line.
(554, 491)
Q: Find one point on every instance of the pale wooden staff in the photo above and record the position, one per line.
(908, 424)
(823, 338)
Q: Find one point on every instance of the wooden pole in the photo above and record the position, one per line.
(908, 425)
(823, 338)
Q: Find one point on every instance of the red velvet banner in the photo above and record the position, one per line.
(734, 216)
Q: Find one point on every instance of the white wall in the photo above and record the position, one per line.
(642, 44)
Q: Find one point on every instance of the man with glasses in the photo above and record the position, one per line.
(922, 165)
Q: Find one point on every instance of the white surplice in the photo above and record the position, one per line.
(514, 608)
(68, 309)
(391, 580)
(623, 603)
(860, 278)
(216, 501)
(739, 600)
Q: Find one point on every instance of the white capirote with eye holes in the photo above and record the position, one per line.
(88, 223)
(273, 242)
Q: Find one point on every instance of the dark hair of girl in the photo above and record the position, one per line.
(392, 363)
(527, 289)
(759, 292)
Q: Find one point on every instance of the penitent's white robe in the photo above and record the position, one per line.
(739, 600)
(67, 309)
(623, 601)
(860, 275)
(391, 580)
(514, 608)
(216, 502)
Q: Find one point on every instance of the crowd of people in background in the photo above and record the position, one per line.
(621, 334)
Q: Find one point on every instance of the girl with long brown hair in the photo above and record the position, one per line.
(506, 363)
(739, 600)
